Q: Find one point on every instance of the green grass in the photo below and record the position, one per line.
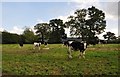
(100, 59)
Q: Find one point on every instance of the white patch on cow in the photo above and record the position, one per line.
(85, 44)
(70, 42)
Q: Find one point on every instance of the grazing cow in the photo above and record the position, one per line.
(75, 45)
(21, 44)
(45, 43)
(37, 45)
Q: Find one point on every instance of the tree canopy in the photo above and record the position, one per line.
(109, 36)
(87, 23)
(42, 30)
(9, 38)
(28, 36)
(57, 30)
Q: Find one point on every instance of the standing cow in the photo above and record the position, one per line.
(36, 44)
(21, 40)
(21, 44)
(75, 45)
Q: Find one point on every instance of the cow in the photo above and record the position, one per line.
(45, 43)
(21, 44)
(75, 46)
(36, 44)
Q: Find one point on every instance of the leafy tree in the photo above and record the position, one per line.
(57, 30)
(109, 36)
(77, 23)
(118, 39)
(42, 30)
(9, 38)
(29, 36)
(87, 23)
(96, 22)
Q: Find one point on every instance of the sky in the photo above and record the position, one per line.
(16, 14)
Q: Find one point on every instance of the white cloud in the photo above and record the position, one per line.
(32, 27)
(1, 29)
(111, 10)
(16, 30)
(64, 18)
(111, 17)
(114, 30)
(110, 7)
(41, 21)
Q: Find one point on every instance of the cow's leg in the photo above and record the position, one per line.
(62, 45)
(33, 47)
(80, 54)
(69, 52)
(39, 46)
(83, 53)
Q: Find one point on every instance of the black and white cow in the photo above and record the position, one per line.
(21, 44)
(21, 40)
(45, 43)
(36, 44)
(75, 45)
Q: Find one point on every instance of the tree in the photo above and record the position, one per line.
(77, 23)
(9, 38)
(42, 30)
(57, 30)
(118, 39)
(29, 36)
(96, 22)
(109, 36)
(87, 23)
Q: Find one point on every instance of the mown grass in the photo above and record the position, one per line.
(100, 59)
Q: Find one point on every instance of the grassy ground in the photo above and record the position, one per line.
(100, 59)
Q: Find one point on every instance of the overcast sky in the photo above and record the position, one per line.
(16, 14)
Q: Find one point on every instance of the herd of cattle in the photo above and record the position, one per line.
(71, 46)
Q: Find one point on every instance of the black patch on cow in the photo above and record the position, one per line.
(66, 43)
(77, 45)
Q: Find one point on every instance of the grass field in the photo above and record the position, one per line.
(100, 59)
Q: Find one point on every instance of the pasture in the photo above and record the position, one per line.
(99, 60)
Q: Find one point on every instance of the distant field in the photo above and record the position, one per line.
(100, 59)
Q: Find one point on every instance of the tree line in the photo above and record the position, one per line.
(85, 24)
